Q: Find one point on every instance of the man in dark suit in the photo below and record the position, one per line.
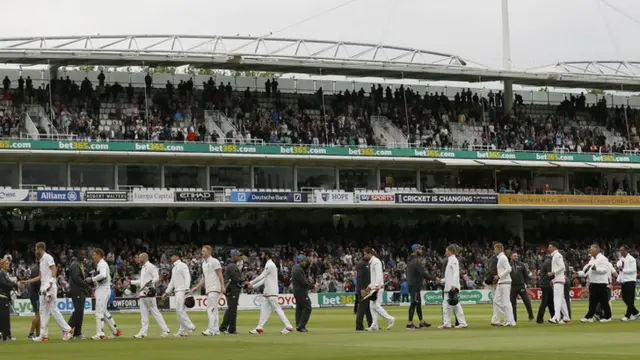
(78, 290)
(234, 288)
(519, 281)
(363, 279)
(301, 293)
(7, 283)
(546, 300)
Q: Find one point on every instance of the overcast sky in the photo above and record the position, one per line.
(542, 31)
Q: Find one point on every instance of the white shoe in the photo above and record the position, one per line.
(461, 326)
(445, 327)
(373, 328)
(391, 323)
(180, 334)
(164, 335)
(67, 336)
(140, 336)
(98, 337)
(256, 332)
(605, 320)
(37, 338)
(509, 324)
(635, 317)
(207, 333)
(624, 319)
(586, 320)
(286, 331)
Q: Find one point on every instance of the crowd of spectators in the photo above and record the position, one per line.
(332, 251)
(176, 112)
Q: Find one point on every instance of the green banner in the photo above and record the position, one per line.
(275, 149)
(336, 299)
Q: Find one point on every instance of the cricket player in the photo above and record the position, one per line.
(179, 286)
(102, 282)
(561, 313)
(146, 284)
(269, 278)
(502, 299)
(627, 278)
(452, 282)
(48, 292)
(212, 280)
(377, 285)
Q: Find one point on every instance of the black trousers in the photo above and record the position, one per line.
(231, 315)
(629, 298)
(364, 310)
(357, 303)
(77, 317)
(5, 320)
(303, 309)
(520, 289)
(546, 301)
(598, 296)
(567, 297)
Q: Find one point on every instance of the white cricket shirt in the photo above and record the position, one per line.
(269, 278)
(46, 275)
(102, 280)
(211, 281)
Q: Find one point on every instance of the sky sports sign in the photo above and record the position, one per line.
(374, 198)
(450, 199)
(195, 196)
(268, 197)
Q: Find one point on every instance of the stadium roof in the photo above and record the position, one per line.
(305, 56)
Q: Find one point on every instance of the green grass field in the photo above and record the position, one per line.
(331, 336)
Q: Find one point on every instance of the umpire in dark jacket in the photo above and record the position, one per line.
(78, 290)
(7, 283)
(301, 288)
(416, 275)
(232, 292)
(546, 300)
(363, 279)
(519, 281)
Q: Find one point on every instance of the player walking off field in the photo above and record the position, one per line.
(102, 281)
(561, 313)
(212, 280)
(502, 299)
(377, 286)
(48, 294)
(179, 286)
(147, 282)
(451, 291)
(269, 278)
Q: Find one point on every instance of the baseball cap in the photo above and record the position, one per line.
(300, 257)
(415, 247)
(234, 252)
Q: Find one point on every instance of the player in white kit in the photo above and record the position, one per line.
(102, 281)
(149, 278)
(48, 292)
(212, 280)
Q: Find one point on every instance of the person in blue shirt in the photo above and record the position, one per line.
(404, 291)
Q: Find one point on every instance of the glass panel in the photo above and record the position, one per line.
(139, 175)
(9, 175)
(87, 175)
(437, 179)
(317, 177)
(238, 176)
(44, 174)
(351, 179)
(273, 177)
(185, 177)
(398, 178)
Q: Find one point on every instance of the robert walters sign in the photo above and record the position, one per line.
(471, 199)
(59, 195)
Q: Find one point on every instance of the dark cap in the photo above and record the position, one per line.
(416, 247)
(234, 252)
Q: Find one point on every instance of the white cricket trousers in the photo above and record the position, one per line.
(502, 304)
(181, 313)
(150, 305)
(560, 303)
(446, 313)
(270, 304)
(378, 310)
(495, 315)
(212, 311)
(102, 314)
(49, 309)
